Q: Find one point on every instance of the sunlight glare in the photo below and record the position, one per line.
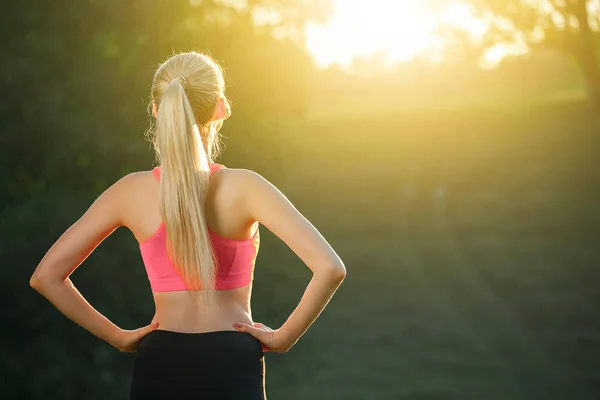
(461, 15)
(400, 29)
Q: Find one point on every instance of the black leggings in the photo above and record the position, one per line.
(210, 365)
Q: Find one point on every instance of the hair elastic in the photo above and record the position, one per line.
(181, 80)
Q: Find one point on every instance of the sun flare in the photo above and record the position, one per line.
(397, 29)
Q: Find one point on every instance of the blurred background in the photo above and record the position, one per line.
(447, 149)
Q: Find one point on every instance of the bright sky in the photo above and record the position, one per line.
(399, 28)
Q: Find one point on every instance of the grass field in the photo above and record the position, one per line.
(470, 236)
(471, 244)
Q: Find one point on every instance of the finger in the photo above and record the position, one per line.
(254, 331)
(147, 329)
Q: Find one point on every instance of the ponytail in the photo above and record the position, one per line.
(185, 172)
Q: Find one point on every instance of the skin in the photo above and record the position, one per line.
(237, 202)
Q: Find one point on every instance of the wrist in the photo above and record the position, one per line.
(115, 337)
(287, 336)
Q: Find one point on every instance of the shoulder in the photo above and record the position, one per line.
(241, 185)
(239, 177)
(123, 197)
(246, 187)
(235, 173)
(135, 178)
(130, 183)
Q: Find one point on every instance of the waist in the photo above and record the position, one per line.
(201, 342)
(184, 312)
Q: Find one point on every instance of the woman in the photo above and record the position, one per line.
(197, 224)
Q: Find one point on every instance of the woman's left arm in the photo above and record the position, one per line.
(51, 277)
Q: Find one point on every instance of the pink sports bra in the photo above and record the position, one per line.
(235, 258)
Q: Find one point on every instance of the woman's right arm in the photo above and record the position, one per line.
(267, 205)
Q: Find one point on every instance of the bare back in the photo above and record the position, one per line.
(180, 311)
(237, 200)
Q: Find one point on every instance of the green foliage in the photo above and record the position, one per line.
(550, 22)
(558, 24)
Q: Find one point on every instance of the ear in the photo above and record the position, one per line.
(154, 110)
(219, 125)
(220, 110)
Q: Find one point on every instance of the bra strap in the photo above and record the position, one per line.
(156, 173)
(215, 167)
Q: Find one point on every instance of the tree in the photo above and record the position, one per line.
(570, 26)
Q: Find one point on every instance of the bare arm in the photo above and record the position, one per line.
(266, 204)
(51, 277)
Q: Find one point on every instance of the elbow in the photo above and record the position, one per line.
(331, 270)
(39, 282)
(337, 272)
(36, 282)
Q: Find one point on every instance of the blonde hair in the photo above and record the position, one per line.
(186, 91)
